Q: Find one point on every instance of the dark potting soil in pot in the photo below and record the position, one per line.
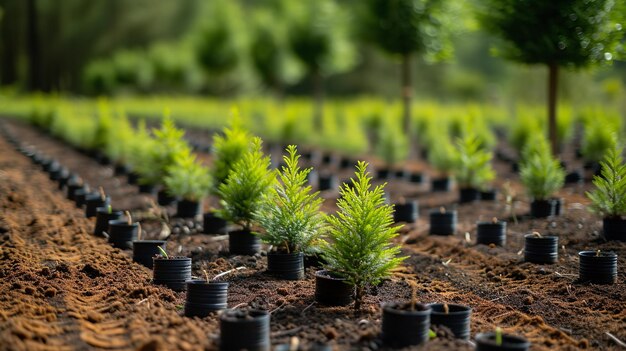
(245, 330)
(205, 297)
(405, 325)
(172, 272)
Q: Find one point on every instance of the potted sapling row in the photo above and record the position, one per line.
(541, 249)
(245, 329)
(608, 199)
(242, 194)
(498, 341)
(542, 177)
(473, 169)
(227, 148)
(443, 222)
(122, 232)
(491, 232)
(358, 250)
(599, 267)
(406, 323)
(103, 216)
(206, 296)
(171, 271)
(189, 181)
(290, 215)
(95, 200)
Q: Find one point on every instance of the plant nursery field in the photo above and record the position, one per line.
(63, 288)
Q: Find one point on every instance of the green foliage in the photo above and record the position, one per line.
(104, 125)
(118, 145)
(228, 149)
(540, 173)
(170, 145)
(248, 183)
(474, 168)
(187, 178)
(360, 233)
(566, 33)
(392, 145)
(598, 139)
(290, 212)
(140, 154)
(609, 196)
(524, 127)
(318, 36)
(408, 26)
(442, 155)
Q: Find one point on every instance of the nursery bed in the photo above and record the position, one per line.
(64, 289)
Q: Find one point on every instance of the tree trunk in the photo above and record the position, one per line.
(358, 298)
(407, 92)
(553, 77)
(318, 92)
(32, 46)
(9, 34)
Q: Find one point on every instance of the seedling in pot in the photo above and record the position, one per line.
(497, 340)
(290, 214)
(541, 249)
(473, 169)
(608, 199)
(406, 324)
(171, 271)
(358, 247)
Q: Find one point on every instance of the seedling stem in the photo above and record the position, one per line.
(163, 252)
(446, 308)
(109, 209)
(206, 275)
(498, 336)
(537, 235)
(442, 210)
(102, 194)
(129, 217)
(597, 253)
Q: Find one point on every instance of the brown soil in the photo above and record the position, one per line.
(64, 289)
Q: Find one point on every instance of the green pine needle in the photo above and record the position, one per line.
(609, 196)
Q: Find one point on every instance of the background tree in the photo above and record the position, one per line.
(318, 38)
(405, 28)
(560, 33)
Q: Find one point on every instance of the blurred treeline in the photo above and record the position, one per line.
(220, 47)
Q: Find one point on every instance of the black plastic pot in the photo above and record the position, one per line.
(132, 178)
(331, 290)
(64, 178)
(467, 195)
(214, 224)
(400, 174)
(55, 174)
(188, 209)
(80, 196)
(288, 266)
(243, 242)
(165, 199)
(457, 319)
(489, 195)
(402, 327)
(558, 205)
(120, 170)
(121, 234)
(172, 272)
(441, 184)
(327, 182)
(145, 250)
(72, 188)
(205, 297)
(614, 228)
(245, 330)
(542, 208)
(541, 250)
(346, 163)
(102, 219)
(416, 178)
(489, 232)
(405, 212)
(328, 159)
(93, 201)
(574, 177)
(383, 173)
(487, 342)
(598, 268)
(443, 223)
(147, 189)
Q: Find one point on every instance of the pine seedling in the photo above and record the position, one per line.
(249, 181)
(227, 150)
(541, 174)
(360, 233)
(474, 163)
(290, 212)
(187, 178)
(609, 196)
(498, 336)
